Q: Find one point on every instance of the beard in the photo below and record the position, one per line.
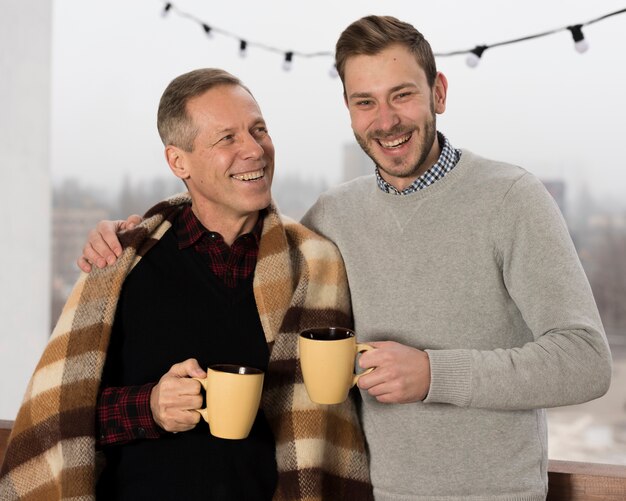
(424, 137)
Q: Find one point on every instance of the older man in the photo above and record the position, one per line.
(212, 276)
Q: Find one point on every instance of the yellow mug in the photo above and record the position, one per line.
(327, 358)
(233, 394)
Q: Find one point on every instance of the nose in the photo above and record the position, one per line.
(251, 148)
(386, 117)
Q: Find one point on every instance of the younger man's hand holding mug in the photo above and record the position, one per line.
(402, 373)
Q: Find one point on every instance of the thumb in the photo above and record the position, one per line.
(377, 344)
(132, 221)
(188, 368)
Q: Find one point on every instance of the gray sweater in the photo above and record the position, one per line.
(478, 270)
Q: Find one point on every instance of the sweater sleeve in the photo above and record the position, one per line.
(568, 361)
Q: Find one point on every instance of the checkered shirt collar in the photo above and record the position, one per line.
(447, 160)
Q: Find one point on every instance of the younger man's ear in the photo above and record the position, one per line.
(440, 92)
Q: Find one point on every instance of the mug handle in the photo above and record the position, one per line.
(360, 348)
(205, 411)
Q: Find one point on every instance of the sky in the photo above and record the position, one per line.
(538, 103)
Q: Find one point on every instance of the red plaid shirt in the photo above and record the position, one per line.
(123, 413)
(231, 264)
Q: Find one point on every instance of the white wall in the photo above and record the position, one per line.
(25, 37)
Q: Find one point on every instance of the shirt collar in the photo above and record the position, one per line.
(189, 229)
(447, 160)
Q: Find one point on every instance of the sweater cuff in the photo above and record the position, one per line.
(450, 377)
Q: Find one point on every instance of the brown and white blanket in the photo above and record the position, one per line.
(299, 282)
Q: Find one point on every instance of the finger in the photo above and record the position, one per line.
(376, 377)
(389, 389)
(379, 391)
(92, 256)
(188, 417)
(185, 421)
(179, 403)
(181, 424)
(386, 353)
(383, 392)
(387, 398)
(167, 407)
(83, 264)
(188, 368)
(132, 221)
(105, 240)
(174, 388)
(377, 344)
(96, 249)
(373, 358)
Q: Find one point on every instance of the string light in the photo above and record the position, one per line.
(473, 56)
(288, 62)
(207, 30)
(580, 44)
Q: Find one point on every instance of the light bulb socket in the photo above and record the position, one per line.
(577, 32)
(478, 50)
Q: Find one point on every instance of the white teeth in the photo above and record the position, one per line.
(396, 142)
(249, 176)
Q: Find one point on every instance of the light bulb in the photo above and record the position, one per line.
(287, 63)
(474, 55)
(580, 44)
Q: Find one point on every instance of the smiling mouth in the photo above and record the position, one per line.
(249, 176)
(396, 142)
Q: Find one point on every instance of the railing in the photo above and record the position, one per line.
(5, 430)
(576, 481)
(567, 480)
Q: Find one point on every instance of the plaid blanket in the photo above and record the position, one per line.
(299, 283)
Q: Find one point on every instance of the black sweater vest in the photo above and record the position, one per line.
(172, 307)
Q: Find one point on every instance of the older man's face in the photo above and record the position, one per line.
(229, 172)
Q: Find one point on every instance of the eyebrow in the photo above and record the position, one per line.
(228, 130)
(224, 130)
(358, 95)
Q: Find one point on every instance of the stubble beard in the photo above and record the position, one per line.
(423, 147)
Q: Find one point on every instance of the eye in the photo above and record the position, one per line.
(260, 131)
(363, 102)
(227, 138)
(403, 95)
